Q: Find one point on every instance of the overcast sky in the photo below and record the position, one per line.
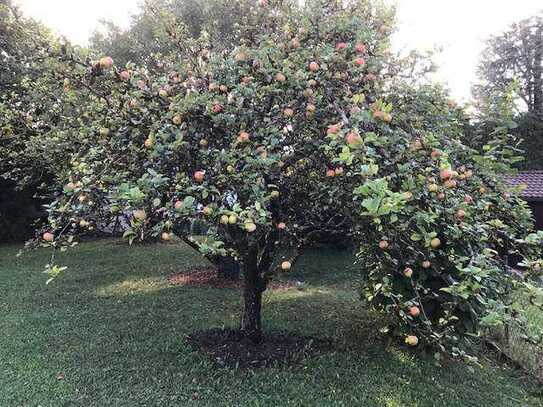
(459, 26)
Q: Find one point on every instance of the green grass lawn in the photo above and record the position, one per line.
(110, 332)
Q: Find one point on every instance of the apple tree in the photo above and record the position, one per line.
(287, 133)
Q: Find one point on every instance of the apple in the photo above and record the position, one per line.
(387, 117)
(281, 226)
(232, 219)
(435, 243)
(165, 236)
(435, 154)
(310, 108)
(106, 62)
(177, 119)
(250, 227)
(199, 176)
(339, 170)
(163, 93)
(141, 84)
(230, 169)
(383, 244)
(312, 82)
(149, 142)
(353, 138)
(48, 237)
(414, 311)
(83, 223)
(124, 75)
(178, 205)
(240, 56)
(433, 188)
(446, 174)
(408, 272)
(263, 3)
(217, 108)
(279, 77)
(286, 265)
(460, 214)
(139, 214)
(330, 173)
(360, 61)
(243, 137)
(341, 46)
(333, 129)
(360, 47)
(212, 86)
(204, 142)
(313, 66)
(70, 186)
(408, 195)
(426, 264)
(288, 112)
(274, 194)
(412, 340)
(468, 173)
(468, 199)
(450, 183)
(441, 196)
(104, 131)
(370, 77)
(223, 88)
(224, 219)
(207, 210)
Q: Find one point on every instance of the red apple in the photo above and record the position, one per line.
(106, 62)
(341, 45)
(48, 237)
(313, 66)
(199, 176)
(360, 47)
(414, 311)
(124, 75)
(446, 174)
(330, 173)
(383, 244)
(353, 138)
(281, 226)
(279, 77)
(408, 272)
(360, 61)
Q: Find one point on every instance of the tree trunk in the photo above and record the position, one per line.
(251, 325)
(227, 268)
(538, 71)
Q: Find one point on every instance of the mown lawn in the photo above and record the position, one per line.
(110, 332)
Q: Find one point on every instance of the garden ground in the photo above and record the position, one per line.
(112, 332)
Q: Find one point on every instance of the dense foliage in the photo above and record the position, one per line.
(290, 133)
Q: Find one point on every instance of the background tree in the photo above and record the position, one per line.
(512, 65)
(23, 43)
(514, 55)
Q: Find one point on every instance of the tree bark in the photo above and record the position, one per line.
(251, 323)
(538, 71)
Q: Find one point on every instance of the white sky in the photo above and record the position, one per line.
(459, 26)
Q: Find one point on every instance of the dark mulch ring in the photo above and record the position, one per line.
(229, 348)
(207, 277)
